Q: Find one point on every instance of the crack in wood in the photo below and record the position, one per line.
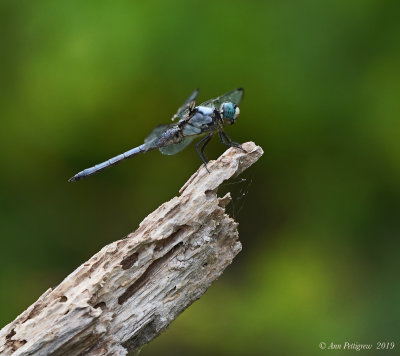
(129, 261)
(150, 271)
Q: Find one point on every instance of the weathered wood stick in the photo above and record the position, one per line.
(131, 290)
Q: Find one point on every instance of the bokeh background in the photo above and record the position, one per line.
(81, 81)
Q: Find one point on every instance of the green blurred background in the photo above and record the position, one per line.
(83, 81)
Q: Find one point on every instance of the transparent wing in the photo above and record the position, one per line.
(177, 147)
(170, 149)
(189, 103)
(234, 96)
(156, 133)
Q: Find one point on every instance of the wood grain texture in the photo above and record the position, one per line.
(131, 290)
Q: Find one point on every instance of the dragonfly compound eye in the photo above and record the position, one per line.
(228, 110)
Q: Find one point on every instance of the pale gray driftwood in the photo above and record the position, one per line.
(132, 289)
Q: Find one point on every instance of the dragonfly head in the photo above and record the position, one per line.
(229, 112)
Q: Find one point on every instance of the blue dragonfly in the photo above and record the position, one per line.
(206, 119)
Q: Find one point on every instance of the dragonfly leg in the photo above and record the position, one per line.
(200, 150)
(221, 136)
(226, 140)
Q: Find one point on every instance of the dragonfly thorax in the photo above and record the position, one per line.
(204, 110)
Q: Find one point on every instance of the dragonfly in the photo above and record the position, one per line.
(204, 120)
